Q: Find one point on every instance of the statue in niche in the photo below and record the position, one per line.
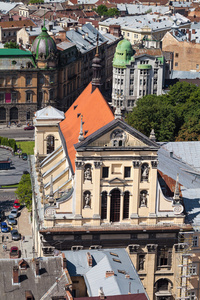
(145, 172)
(141, 262)
(143, 199)
(86, 200)
(87, 174)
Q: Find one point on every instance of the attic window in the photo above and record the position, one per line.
(14, 62)
(114, 254)
(78, 115)
(75, 106)
(122, 272)
(85, 132)
(117, 260)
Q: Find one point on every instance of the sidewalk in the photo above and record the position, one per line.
(25, 228)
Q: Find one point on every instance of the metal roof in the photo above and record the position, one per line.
(116, 260)
(184, 75)
(5, 7)
(14, 52)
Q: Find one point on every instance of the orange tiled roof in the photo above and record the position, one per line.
(96, 113)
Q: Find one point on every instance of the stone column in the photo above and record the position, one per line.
(152, 189)
(121, 206)
(151, 263)
(108, 206)
(134, 204)
(96, 205)
(78, 189)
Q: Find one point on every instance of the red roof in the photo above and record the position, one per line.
(96, 113)
(141, 296)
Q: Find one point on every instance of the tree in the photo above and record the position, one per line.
(102, 10)
(36, 2)
(11, 45)
(112, 12)
(174, 116)
(24, 191)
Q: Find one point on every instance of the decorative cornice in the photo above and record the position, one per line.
(136, 163)
(79, 165)
(152, 248)
(154, 164)
(98, 164)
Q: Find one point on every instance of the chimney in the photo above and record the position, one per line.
(89, 259)
(15, 275)
(109, 273)
(101, 293)
(31, 28)
(193, 31)
(37, 267)
(64, 261)
(187, 30)
(189, 36)
(10, 18)
(28, 295)
(171, 154)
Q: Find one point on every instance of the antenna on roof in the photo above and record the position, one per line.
(81, 137)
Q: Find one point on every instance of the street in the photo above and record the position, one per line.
(16, 133)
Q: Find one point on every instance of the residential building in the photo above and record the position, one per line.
(103, 272)
(148, 26)
(9, 29)
(185, 45)
(85, 39)
(31, 80)
(39, 278)
(135, 74)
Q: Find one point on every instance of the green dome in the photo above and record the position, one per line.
(43, 45)
(123, 54)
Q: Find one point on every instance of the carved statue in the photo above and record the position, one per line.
(145, 173)
(87, 200)
(141, 263)
(143, 199)
(87, 174)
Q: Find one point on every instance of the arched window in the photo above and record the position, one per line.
(50, 144)
(13, 114)
(104, 205)
(2, 113)
(126, 205)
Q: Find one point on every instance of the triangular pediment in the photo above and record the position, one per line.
(117, 135)
(117, 181)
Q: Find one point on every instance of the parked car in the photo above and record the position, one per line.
(2, 215)
(24, 156)
(11, 220)
(14, 212)
(4, 227)
(16, 204)
(16, 236)
(14, 252)
(29, 128)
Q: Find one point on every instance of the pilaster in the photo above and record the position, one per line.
(152, 189)
(96, 205)
(79, 191)
(134, 205)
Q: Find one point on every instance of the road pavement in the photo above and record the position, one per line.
(17, 133)
(25, 245)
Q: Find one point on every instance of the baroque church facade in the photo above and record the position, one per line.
(96, 185)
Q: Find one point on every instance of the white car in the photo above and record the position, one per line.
(14, 212)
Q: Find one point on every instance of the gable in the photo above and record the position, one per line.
(116, 134)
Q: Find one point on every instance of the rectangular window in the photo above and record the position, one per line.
(122, 92)
(191, 295)
(122, 71)
(193, 269)
(176, 55)
(197, 66)
(28, 97)
(2, 97)
(176, 64)
(122, 81)
(127, 172)
(128, 34)
(118, 81)
(155, 71)
(51, 78)
(140, 93)
(28, 80)
(195, 241)
(131, 92)
(140, 81)
(131, 71)
(105, 171)
(14, 81)
(131, 81)
(119, 71)
(14, 97)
